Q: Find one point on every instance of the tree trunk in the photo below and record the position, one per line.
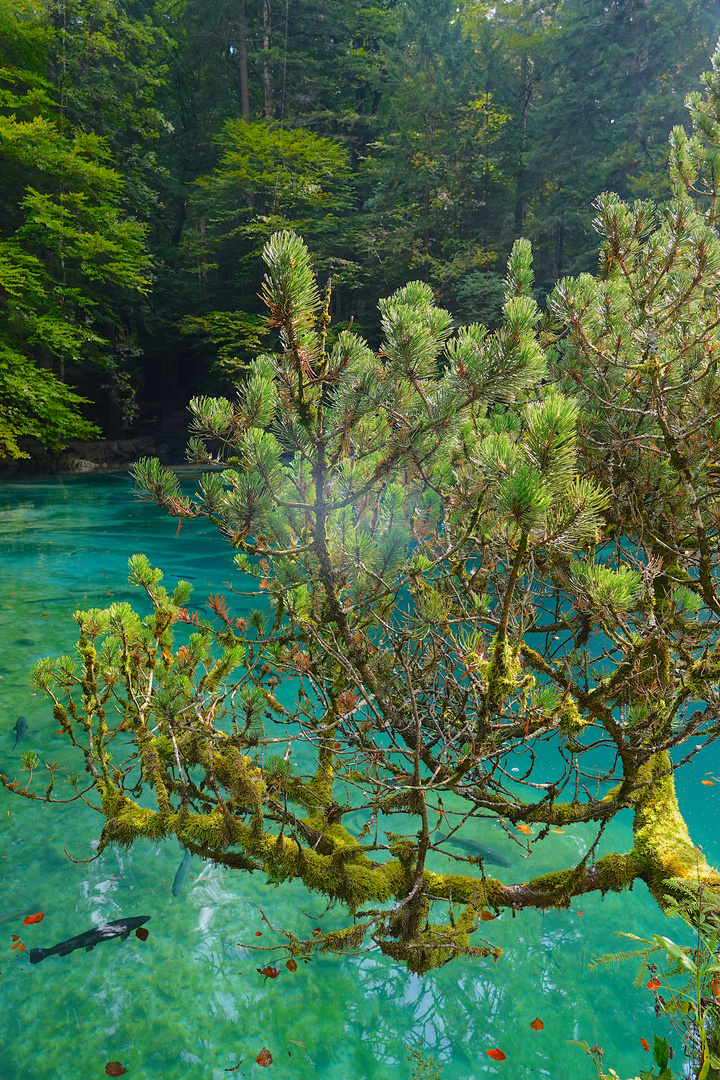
(244, 89)
(267, 70)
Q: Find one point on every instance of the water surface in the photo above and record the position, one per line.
(188, 1002)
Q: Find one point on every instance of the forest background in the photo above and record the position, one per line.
(149, 149)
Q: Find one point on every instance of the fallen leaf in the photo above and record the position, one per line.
(496, 1055)
(654, 983)
(22, 948)
(537, 1024)
(15, 946)
(269, 972)
(578, 913)
(264, 1058)
(645, 1044)
(487, 916)
(258, 933)
(708, 783)
(33, 919)
(525, 829)
(291, 965)
(60, 732)
(558, 830)
(114, 1068)
(16, 937)
(142, 933)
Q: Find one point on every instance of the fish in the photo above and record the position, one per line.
(20, 729)
(16, 916)
(120, 928)
(182, 873)
(478, 850)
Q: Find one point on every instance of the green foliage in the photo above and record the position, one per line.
(69, 252)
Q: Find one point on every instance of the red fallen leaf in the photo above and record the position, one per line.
(269, 972)
(291, 965)
(21, 948)
(645, 1044)
(337, 745)
(258, 933)
(654, 983)
(496, 1055)
(537, 1024)
(486, 916)
(114, 1068)
(578, 913)
(38, 917)
(708, 783)
(142, 933)
(60, 732)
(264, 1058)
(317, 930)
(16, 937)
(15, 946)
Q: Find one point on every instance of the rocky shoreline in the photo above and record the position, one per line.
(94, 456)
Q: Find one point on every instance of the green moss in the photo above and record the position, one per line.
(662, 843)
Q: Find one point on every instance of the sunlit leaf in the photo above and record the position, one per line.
(487, 916)
(708, 783)
(645, 1044)
(264, 1058)
(654, 983)
(537, 1024)
(269, 972)
(496, 1055)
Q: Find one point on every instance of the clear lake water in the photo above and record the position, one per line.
(188, 1002)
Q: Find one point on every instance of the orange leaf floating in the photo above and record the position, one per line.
(21, 948)
(537, 1024)
(33, 919)
(708, 783)
(291, 965)
(264, 1058)
(16, 937)
(258, 933)
(645, 1044)
(15, 946)
(558, 830)
(141, 933)
(525, 829)
(496, 1055)
(487, 916)
(654, 983)
(269, 972)
(578, 913)
(114, 1068)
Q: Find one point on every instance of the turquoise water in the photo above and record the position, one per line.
(188, 1002)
